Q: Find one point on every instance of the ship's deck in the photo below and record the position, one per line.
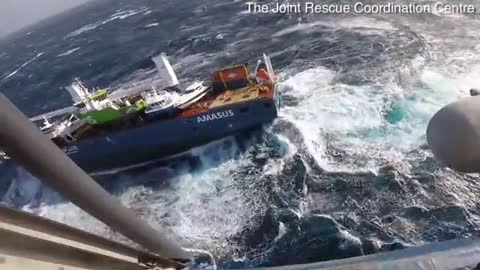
(229, 97)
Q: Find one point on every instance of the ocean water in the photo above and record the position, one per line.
(345, 169)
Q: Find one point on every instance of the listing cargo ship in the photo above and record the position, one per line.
(156, 119)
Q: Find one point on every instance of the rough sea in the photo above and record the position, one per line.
(345, 169)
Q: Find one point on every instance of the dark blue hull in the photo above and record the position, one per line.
(166, 138)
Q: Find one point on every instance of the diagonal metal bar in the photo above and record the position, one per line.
(30, 148)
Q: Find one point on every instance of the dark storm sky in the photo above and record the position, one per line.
(15, 14)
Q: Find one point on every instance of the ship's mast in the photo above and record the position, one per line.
(167, 74)
(80, 94)
(269, 66)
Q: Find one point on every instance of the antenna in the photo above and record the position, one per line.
(259, 62)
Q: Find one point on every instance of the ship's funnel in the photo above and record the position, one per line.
(166, 71)
(453, 134)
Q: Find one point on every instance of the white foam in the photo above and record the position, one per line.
(70, 214)
(194, 61)
(20, 68)
(69, 52)
(275, 166)
(119, 15)
(365, 25)
(302, 27)
(354, 116)
(199, 209)
(205, 207)
(23, 190)
(152, 25)
(328, 108)
(348, 240)
(281, 231)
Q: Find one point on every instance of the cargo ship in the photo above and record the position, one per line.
(155, 119)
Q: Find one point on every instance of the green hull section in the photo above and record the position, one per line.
(108, 115)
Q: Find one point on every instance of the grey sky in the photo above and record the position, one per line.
(15, 14)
